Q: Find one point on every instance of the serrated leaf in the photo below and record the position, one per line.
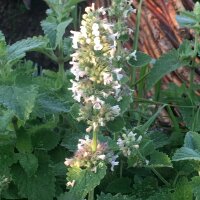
(19, 49)
(5, 119)
(71, 139)
(23, 141)
(61, 30)
(44, 138)
(116, 125)
(85, 181)
(47, 105)
(171, 60)
(40, 186)
(120, 185)
(74, 110)
(19, 100)
(185, 153)
(29, 162)
(7, 158)
(191, 148)
(142, 60)
(49, 26)
(160, 159)
(196, 186)
(183, 190)
(124, 103)
(116, 197)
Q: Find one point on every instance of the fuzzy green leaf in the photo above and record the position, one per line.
(142, 60)
(47, 105)
(29, 162)
(160, 159)
(5, 119)
(183, 190)
(119, 185)
(19, 100)
(45, 137)
(191, 149)
(116, 125)
(40, 186)
(18, 49)
(196, 186)
(61, 30)
(85, 181)
(116, 197)
(49, 26)
(164, 65)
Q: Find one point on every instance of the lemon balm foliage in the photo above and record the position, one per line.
(91, 132)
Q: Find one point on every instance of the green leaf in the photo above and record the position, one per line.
(116, 125)
(23, 142)
(85, 181)
(5, 119)
(116, 197)
(142, 60)
(18, 49)
(160, 159)
(196, 186)
(124, 104)
(49, 26)
(164, 65)
(44, 137)
(7, 158)
(147, 124)
(71, 139)
(29, 162)
(48, 105)
(74, 110)
(19, 100)
(41, 186)
(183, 190)
(120, 185)
(61, 30)
(191, 149)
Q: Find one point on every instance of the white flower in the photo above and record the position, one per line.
(98, 104)
(102, 157)
(98, 47)
(95, 27)
(107, 78)
(133, 54)
(113, 164)
(75, 39)
(77, 92)
(71, 183)
(117, 72)
(77, 71)
(95, 30)
(83, 31)
(102, 10)
(115, 110)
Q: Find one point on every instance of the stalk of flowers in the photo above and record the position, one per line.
(97, 77)
(86, 158)
(129, 143)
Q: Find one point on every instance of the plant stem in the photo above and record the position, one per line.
(94, 149)
(94, 141)
(91, 195)
(121, 168)
(137, 30)
(154, 170)
(135, 43)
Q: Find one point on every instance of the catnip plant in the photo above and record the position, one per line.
(100, 81)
